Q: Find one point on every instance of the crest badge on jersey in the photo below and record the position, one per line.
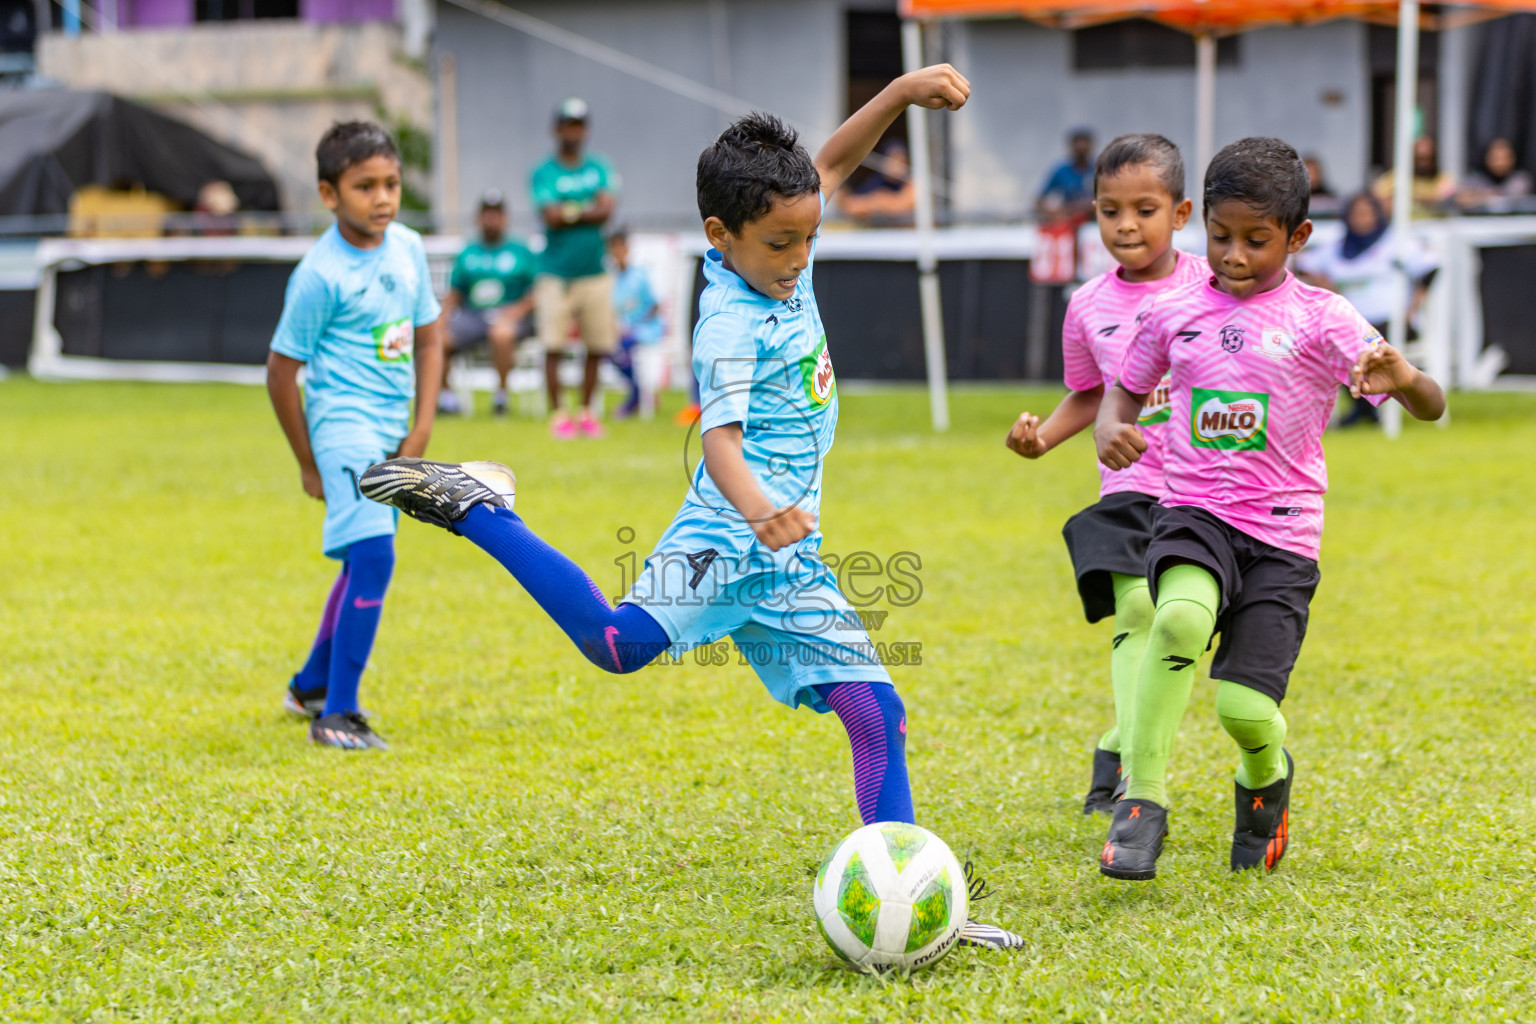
(1277, 343)
(1232, 339)
(816, 370)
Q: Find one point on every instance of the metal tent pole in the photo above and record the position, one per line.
(1402, 183)
(927, 262)
(1205, 105)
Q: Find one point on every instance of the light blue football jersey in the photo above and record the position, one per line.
(764, 363)
(350, 315)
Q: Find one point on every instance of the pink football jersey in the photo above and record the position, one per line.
(1252, 387)
(1101, 317)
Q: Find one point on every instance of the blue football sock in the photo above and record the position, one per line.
(370, 563)
(876, 721)
(620, 639)
(316, 673)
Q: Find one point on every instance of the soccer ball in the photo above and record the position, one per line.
(891, 895)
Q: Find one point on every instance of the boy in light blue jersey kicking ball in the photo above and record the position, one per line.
(360, 318)
(741, 558)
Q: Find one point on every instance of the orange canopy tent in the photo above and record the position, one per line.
(1218, 16)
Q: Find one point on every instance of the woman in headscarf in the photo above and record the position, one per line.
(1360, 266)
(1499, 184)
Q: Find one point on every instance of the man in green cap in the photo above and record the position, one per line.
(575, 193)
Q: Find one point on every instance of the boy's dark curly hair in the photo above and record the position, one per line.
(1264, 174)
(351, 142)
(1143, 149)
(753, 162)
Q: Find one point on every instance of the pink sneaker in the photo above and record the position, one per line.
(589, 426)
(561, 427)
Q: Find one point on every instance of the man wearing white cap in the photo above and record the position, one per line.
(575, 193)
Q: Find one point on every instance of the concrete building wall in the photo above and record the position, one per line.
(783, 56)
(1309, 86)
(271, 88)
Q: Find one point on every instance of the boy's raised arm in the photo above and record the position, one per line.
(937, 87)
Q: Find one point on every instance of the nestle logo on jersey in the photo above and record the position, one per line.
(1229, 420)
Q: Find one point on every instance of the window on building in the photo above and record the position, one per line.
(1381, 51)
(1138, 43)
(244, 10)
(18, 26)
(873, 62)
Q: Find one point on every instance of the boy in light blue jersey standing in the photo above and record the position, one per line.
(741, 558)
(638, 313)
(360, 318)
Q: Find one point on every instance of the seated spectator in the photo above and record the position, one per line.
(638, 314)
(490, 294)
(1324, 202)
(1361, 266)
(1067, 194)
(1495, 187)
(213, 214)
(1433, 189)
(887, 196)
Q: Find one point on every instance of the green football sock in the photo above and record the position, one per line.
(1255, 722)
(1187, 601)
(1133, 621)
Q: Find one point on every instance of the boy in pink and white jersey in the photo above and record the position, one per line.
(1255, 359)
(1138, 195)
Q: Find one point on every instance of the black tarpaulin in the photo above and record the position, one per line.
(1504, 90)
(54, 142)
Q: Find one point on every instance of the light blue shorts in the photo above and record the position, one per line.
(350, 517)
(790, 621)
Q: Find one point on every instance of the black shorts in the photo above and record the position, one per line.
(1265, 594)
(1108, 536)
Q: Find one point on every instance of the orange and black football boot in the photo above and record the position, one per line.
(1262, 828)
(1135, 840)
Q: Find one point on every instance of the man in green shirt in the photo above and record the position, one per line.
(490, 294)
(575, 193)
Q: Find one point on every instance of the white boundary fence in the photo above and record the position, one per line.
(1451, 346)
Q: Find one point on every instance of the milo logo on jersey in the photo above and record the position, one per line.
(394, 341)
(816, 371)
(1159, 406)
(1229, 420)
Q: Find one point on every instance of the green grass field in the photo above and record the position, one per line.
(546, 842)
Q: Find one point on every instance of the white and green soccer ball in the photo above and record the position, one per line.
(891, 895)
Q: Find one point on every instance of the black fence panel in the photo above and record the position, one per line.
(1508, 285)
(17, 309)
(875, 328)
(200, 312)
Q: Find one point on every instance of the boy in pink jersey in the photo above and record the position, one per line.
(1138, 197)
(1254, 358)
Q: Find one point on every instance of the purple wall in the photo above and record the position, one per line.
(154, 13)
(327, 11)
(162, 13)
